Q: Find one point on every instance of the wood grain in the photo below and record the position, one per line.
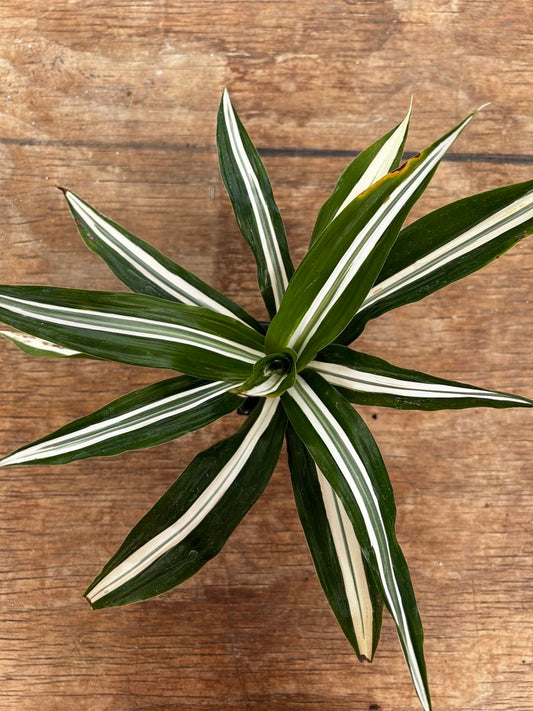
(118, 101)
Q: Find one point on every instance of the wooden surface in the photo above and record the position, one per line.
(117, 101)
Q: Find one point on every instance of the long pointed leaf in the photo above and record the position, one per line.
(147, 417)
(256, 212)
(38, 347)
(336, 274)
(193, 519)
(447, 245)
(336, 553)
(346, 453)
(368, 380)
(143, 268)
(108, 325)
(367, 168)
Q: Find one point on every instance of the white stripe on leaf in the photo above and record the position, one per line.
(484, 232)
(142, 262)
(352, 568)
(268, 387)
(265, 228)
(380, 164)
(161, 544)
(120, 425)
(127, 326)
(354, 472)
(38, 345)
(364, 243)
(344, 376)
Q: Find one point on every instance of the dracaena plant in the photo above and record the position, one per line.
(295, 377)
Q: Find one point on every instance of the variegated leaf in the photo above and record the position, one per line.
(445, 246)
(341, 568)
(367, 168)
(368, 380)
(193, 519)
(137, 329)
(31, 345)
(336, 274)
(256, 212)
(143, 268)
(147, 417)
(346, 453)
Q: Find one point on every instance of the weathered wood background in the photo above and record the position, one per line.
(117, 100)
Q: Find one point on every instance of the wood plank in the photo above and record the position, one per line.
(118, 101)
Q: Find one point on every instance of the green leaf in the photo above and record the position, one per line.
(37, 347)
(142, 268)
(255, 209)
(447, 245)
(367, 168)
(144, 418)
(337, 556)
(137, 329)
(344, 450)
(333, 279)
(368, 380)
(193, 519)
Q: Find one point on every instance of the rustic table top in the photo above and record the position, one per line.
(118, 101)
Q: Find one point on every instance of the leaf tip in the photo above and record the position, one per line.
(483, 106)
(404, 123)
(12, 459)
(226, 99)
(87, 595)
(410, 109)
(472, 115)
(93, 604)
